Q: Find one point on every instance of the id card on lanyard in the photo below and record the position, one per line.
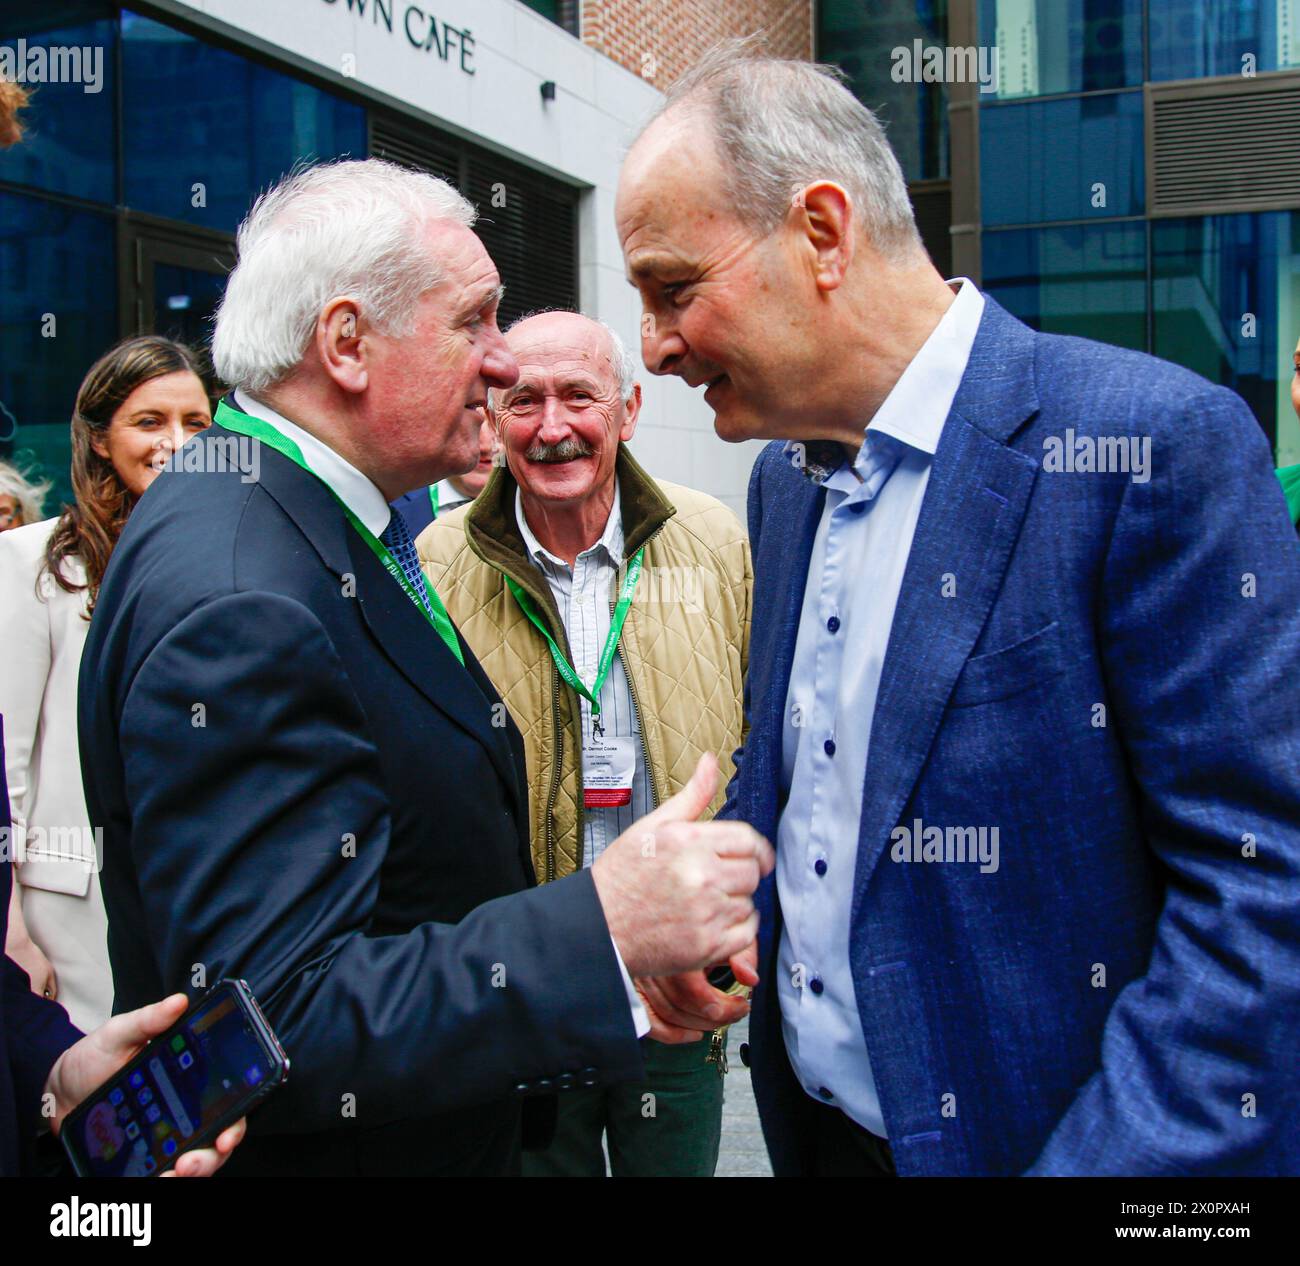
(608, 762)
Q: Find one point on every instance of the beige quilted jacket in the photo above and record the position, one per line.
(685, 644)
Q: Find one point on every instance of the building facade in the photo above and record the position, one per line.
(153, 125)
(1124, 170)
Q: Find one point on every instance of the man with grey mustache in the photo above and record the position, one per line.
(611, 612)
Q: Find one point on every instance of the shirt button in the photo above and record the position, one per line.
(833, 624)
(820, 865)
(825, 1094)
(815, 984)
(829, 747)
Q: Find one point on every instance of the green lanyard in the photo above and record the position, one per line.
(433, 499)
(256, 429)
(611, 641)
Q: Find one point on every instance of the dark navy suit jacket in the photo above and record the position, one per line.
(300, 786)
(1122, 996)
(416, 509)
(34, 1032)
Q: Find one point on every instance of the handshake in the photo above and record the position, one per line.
(677, 895)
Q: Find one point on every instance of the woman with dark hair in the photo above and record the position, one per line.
(139, 403)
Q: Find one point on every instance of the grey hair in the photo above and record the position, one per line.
(781, 125)
(29, 496)
(622, 359)
(341, 228)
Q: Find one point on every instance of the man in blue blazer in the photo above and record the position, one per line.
(1022, 604)
(304, 777)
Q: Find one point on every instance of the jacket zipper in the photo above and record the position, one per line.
(555, 776)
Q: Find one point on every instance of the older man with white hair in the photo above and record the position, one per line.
(611, 611)
(303, 775)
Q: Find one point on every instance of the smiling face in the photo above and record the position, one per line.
(426, 391)
(562, 422)
(722, 307)
(150, 425)
(475, 481)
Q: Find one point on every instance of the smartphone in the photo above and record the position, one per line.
(216, 1063)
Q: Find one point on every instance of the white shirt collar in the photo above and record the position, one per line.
(347, 483)
(449, 496)
(611, 540)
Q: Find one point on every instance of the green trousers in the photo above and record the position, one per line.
(669, 1125)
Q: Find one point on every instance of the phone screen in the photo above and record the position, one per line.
(138, 1123)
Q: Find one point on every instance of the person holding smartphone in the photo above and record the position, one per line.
(48, 1066)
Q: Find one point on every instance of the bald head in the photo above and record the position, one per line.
(588, 342)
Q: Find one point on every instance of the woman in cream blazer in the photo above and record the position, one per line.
(139, 402)
(57, 915)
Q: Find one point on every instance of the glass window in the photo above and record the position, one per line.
(1226, 300)
(562, 12)
(66, 62)
(1073, 159)
(1193, 39)
(58, 313)
(229, 127)
(862, 40)
(1087, 279)
(1056, 46)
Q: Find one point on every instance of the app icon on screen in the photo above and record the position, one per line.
(132, 1130)
(253, 1075)
(178, 1043)
(115, 1096)
(152, 1112)
(186, 1059)
(137, 1078)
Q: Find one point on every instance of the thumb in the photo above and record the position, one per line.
(692, 799)
(134, 1028)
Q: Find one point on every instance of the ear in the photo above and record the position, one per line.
(341, 345)
(99, 445)
(628, 429)
(823, 216)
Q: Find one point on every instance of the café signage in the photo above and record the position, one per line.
(422, 29)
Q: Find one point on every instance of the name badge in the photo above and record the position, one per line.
(608, 766)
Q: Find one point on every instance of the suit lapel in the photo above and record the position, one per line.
(972, 514)
(461, 694)
(791, 518)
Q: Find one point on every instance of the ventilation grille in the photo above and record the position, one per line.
(527, 221)
(1220, 146)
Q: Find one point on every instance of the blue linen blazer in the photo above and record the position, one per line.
(1090, 663)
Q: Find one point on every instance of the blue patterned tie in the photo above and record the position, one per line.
(397, 538)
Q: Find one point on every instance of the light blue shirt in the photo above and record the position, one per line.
(854, 575)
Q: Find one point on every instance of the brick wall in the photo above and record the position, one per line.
(659, 39)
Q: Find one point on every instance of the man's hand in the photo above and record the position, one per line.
(89, 1063)
(688, 1004)
(677, 893)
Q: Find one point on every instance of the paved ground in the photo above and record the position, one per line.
(743, 1154)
